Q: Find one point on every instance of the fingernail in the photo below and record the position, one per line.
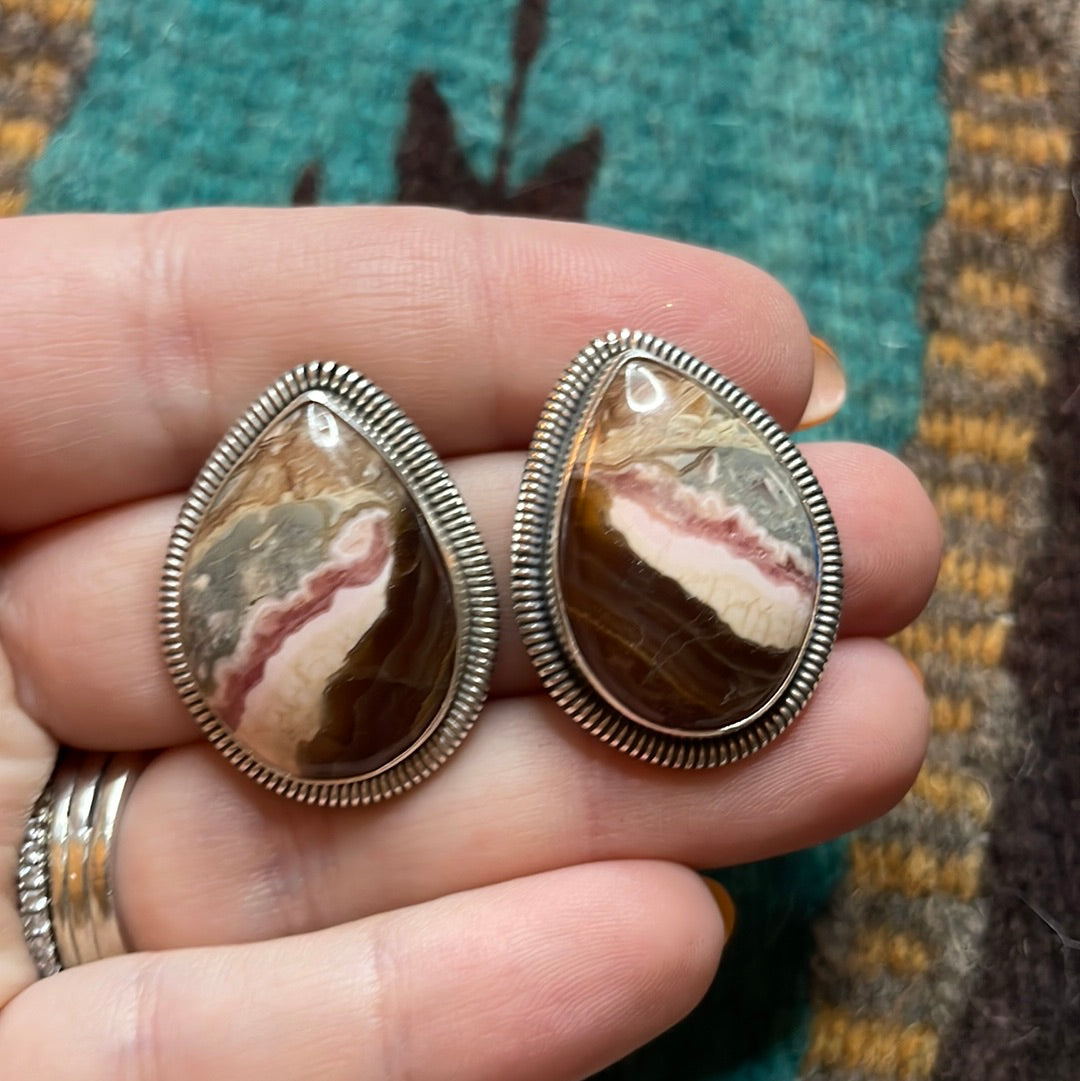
(828, 389)
(917, 670)
(723, 902)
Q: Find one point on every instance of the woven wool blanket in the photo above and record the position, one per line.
(909, 172)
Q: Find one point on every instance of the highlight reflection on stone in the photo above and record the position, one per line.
(316, 609)
(687, 564)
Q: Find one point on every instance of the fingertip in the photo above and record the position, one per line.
(889, 532)
(920, 720)
(675, 928)
(764, 343)
(850, 756)
(895, 727)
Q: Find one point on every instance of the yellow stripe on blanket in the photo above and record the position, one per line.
(878, 948)
(951, 715)
(51, 12)
(917, 871)
(995, 359)
(1026, 83)
(985, 289)
(993, 438)
(984, 579)
(22, 138)
(1026, 144)
(981, 643)
(950, 792)
(872, 1047)
(1033, 218)
(969, 501)
(11, 203)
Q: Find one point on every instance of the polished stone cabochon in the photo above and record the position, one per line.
(687, 565)
(317, 614)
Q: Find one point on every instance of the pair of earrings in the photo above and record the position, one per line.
(330, 614)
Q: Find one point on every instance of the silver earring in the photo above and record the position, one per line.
(677, 575)
(329, 612)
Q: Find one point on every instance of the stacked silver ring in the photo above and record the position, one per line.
(65, 878)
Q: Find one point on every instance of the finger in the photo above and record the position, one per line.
(529, 792)
(78, 610)
(131, 343)
(98, 621)
(549, 977)
(26, 759)
(890, 535)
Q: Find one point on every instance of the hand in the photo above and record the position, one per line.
(525, 913)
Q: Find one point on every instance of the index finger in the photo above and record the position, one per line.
(130, 343)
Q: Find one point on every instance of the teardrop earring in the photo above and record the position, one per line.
(677, 575)
(329, 612)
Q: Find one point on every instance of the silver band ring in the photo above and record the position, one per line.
(65, 884)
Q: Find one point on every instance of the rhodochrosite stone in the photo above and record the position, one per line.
(687, 565)
(316, 608)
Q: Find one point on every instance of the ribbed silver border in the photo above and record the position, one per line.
(533, 577)
(375, 415)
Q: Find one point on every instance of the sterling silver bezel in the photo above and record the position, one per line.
(378, 419)
(536, 596)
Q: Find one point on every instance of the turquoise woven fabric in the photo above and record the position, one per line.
(805, 135)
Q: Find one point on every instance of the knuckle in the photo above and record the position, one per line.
(170, 343)
(141, 1048)
(391, 1024)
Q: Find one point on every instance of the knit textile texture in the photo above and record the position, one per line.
(810, 137)
(45, 49)
(943, 955)
(806, 135)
